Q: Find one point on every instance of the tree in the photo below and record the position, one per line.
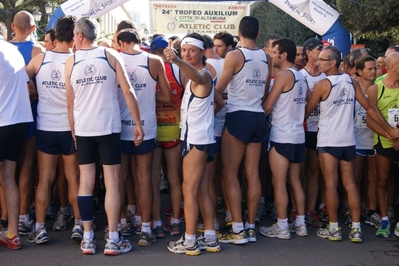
(273, 21)
(8, 8)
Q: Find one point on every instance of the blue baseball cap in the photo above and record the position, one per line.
(158, 42)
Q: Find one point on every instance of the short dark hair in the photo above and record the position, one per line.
(129, 36)
(335, 54)
(64, 29)
(286, 45)
(3, 30)
(249, 27)
(126, 24)
(361, 63)
(269, 38)
(225, 37)
(208, 41)
(51, 33)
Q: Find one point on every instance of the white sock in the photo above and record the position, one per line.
(210, 235)
(157, 223)
(39, 226)
(321, 206)
(356, 225)
(136, 220)
(190, 239)
(123, 221)
(282, 223)
(249, 226)
(174, 221)
(114, 236)
(88, 235)
(333, 225)
(300, 220)
(146, 227)
(237, 227)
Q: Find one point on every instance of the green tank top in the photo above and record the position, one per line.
(388, 104)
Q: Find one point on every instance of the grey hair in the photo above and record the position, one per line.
(356, 54)
(335, 54)
(89, 27)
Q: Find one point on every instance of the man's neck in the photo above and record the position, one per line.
(312, 68)
(391, 80)
(248, 43)
(63, 47)
(21, 37)
(364, 84)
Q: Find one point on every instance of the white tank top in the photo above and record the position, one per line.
(96, 107)
(363, 134)
(144, 86)
(14, 96)
(336, 124)
(247, 86)
(52, 112)
(197, 118)
(289, 112)
(313, 119)
(220, 116)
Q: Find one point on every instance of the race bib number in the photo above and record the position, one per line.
(393, 116)
(361, 119)
(315, 115)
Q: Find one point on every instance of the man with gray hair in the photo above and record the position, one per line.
(336, 138)
(92, 76)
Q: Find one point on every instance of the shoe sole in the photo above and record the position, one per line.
(88, 251)
(251, 239)
(13, 247)
(382, 235)
(335, 239)
(372, 224)
(76, 238)
(213, 249)
(235, 242)
(357, 240)
(111, 252)
(190, 253)
(396, 233)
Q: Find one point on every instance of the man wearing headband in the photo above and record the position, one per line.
(197, 143)
(247, 69)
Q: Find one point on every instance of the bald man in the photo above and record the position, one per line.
(23, 26)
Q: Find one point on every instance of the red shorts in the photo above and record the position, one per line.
(168, 144)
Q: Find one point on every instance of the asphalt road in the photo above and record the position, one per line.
(310, 250)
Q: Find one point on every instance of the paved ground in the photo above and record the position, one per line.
(310, 250)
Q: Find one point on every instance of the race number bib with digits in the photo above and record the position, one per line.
(393, 116)
(314, 116)
(361, 119)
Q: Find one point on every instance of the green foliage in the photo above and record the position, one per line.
(11, 7)
(274, 21)
(373, 20)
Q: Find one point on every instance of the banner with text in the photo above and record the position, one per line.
(314, 14)
(204, 18)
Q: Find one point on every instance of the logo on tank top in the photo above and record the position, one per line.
(89, 70)
(344, 100)
(133, 81)
(256, 81)
(301, 99)
(56, 75)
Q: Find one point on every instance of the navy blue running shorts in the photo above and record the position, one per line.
(55, 142)
(247, 126)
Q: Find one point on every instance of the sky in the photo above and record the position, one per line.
(139, 10)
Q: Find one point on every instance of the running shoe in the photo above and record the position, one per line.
(332, 235)
(228, 219)
(209, 246)
(38, 237)
(396, 232)
(125, 229)
(313, 220)
(391, 215)
(129, 216)
(146, 239)
(115, 248)
(275, 231)
(374, 220)
(88, 246)
(50, 213)
(251, 233)
(180, 247)
(201, 227)
(173, 229)
(11, 243)
(77, 233)
(158, 232)
(384, 230)
(24, 229)
(355, 235)
(234, 238)
(60, 222)
(323, 214)
(299, 230)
